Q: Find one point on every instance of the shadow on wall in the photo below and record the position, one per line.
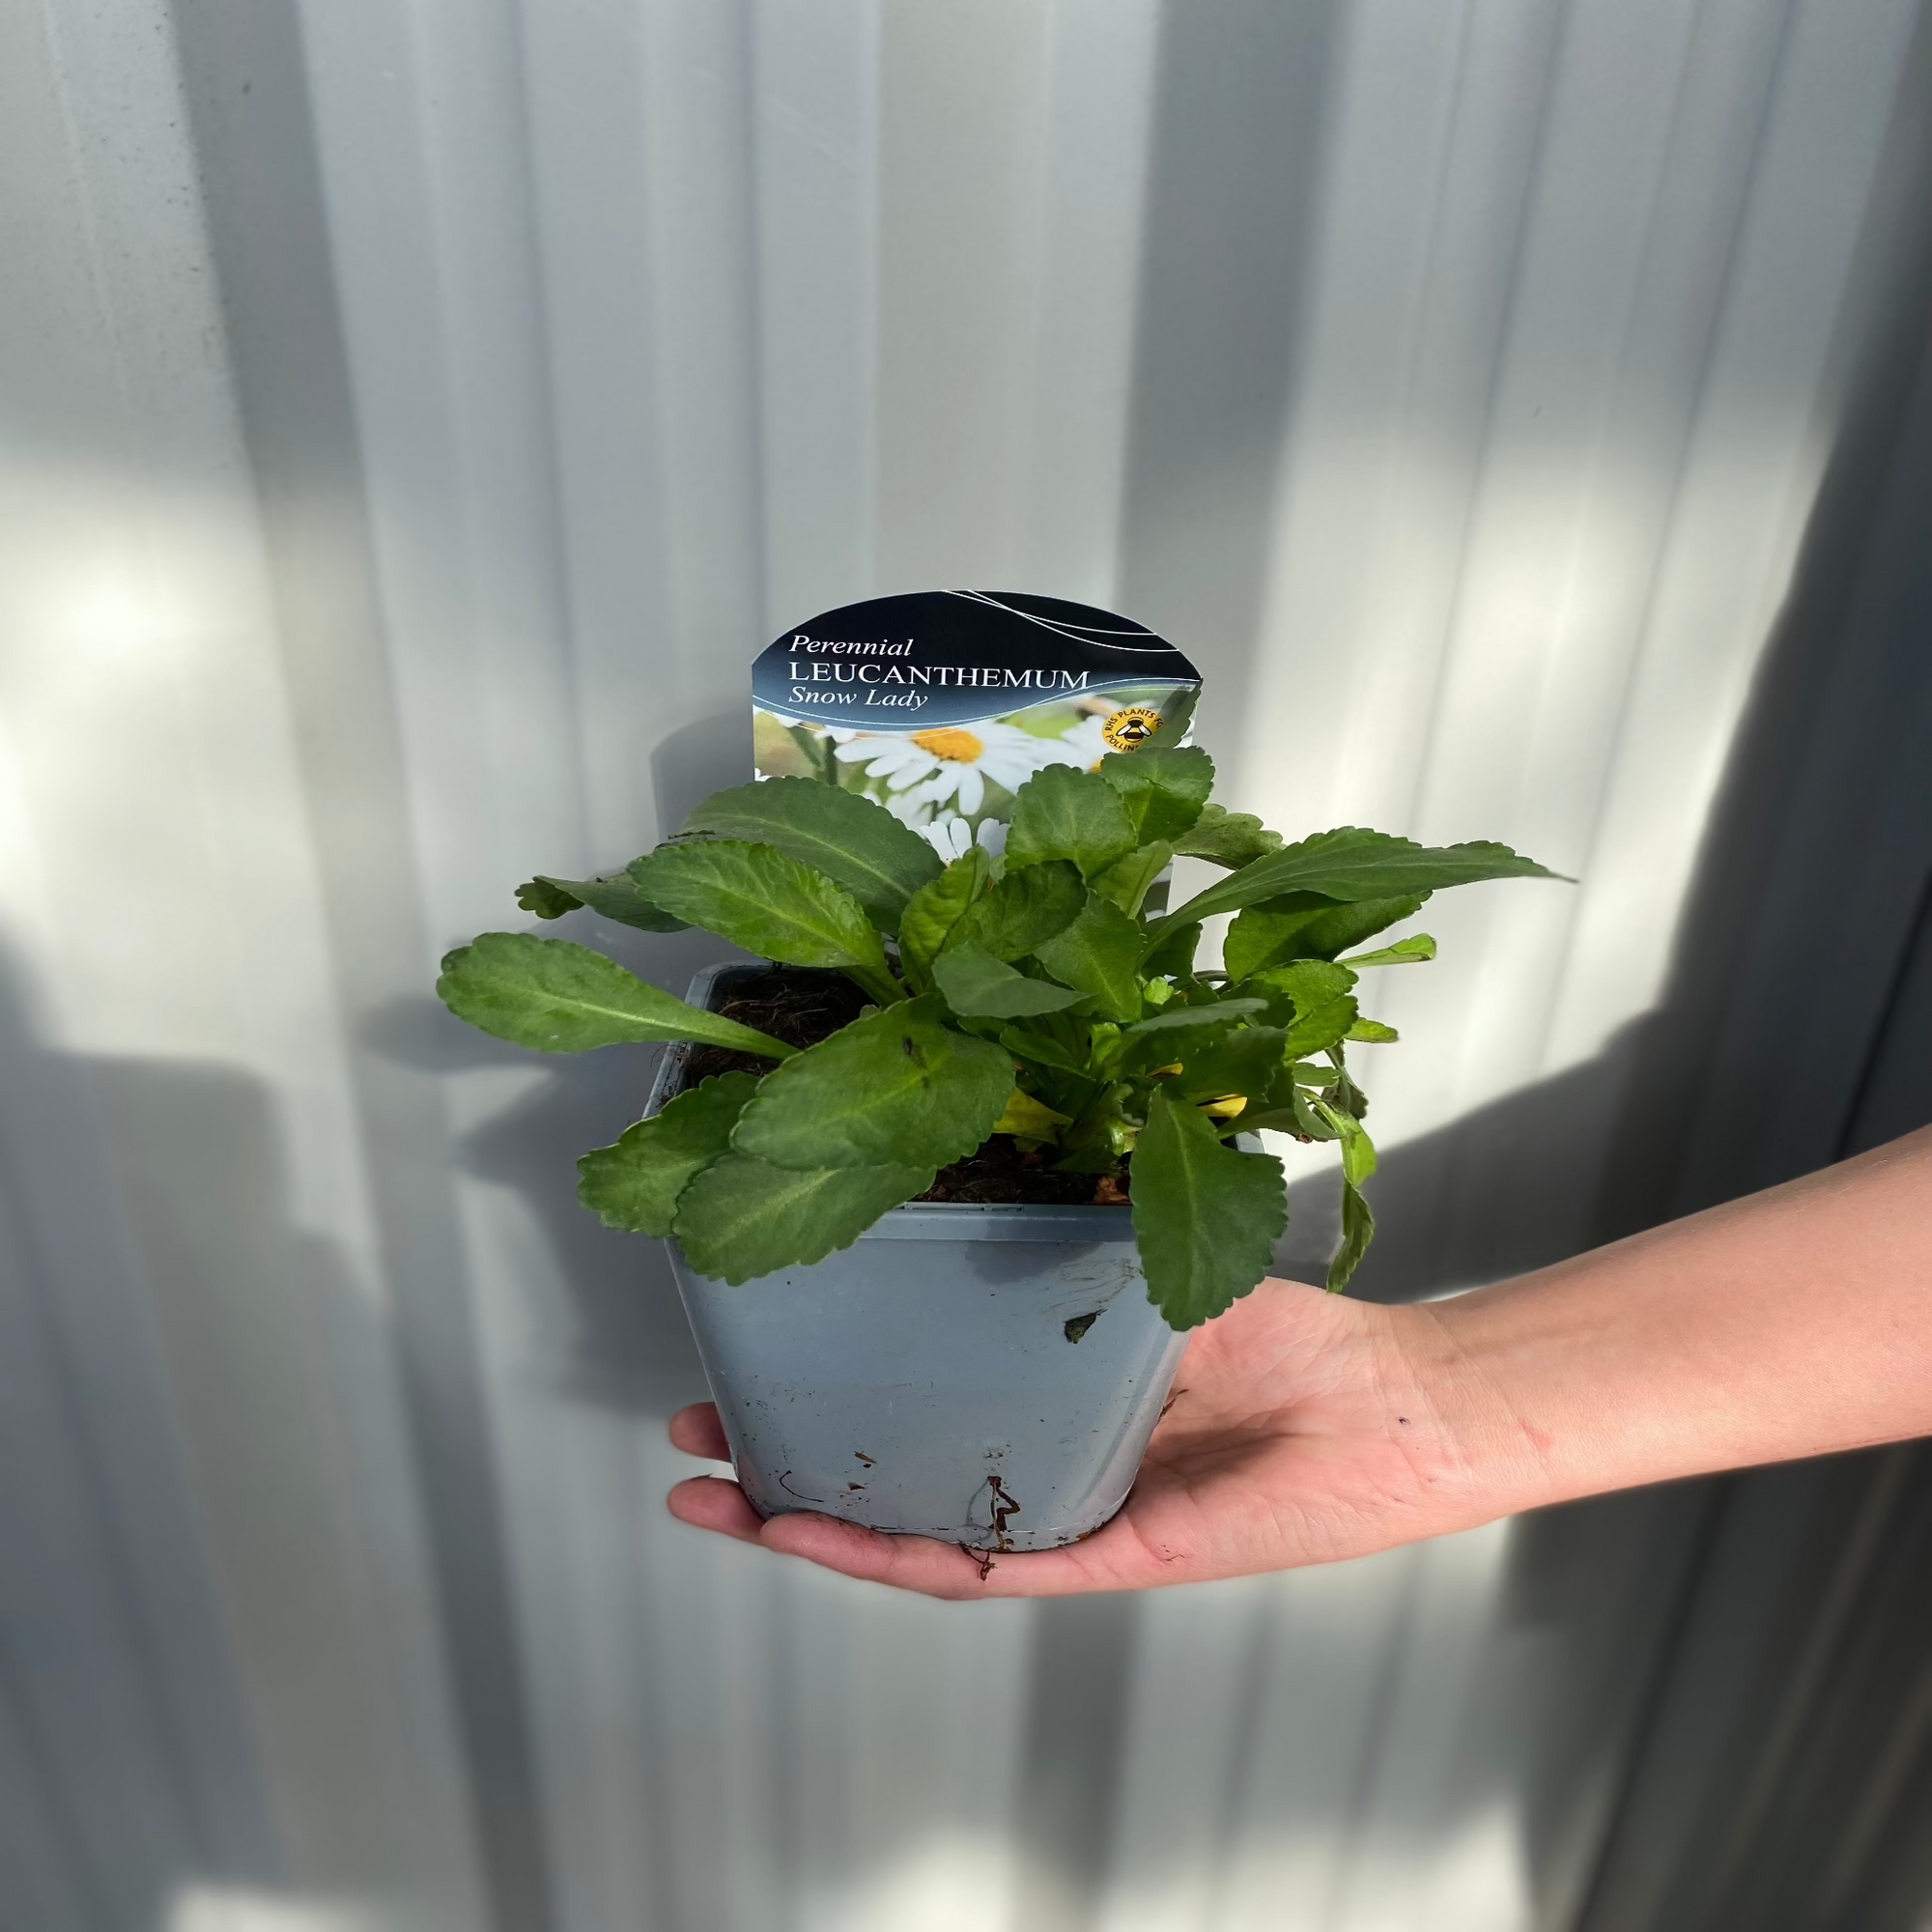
(1713, 1641)
(181, 1622)
(631, 1349)
(1813, 870)
(1778, 1025)
(1746, 1073)
(1234, 192)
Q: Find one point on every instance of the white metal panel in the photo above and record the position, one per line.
(421, 415)
(187, 1157)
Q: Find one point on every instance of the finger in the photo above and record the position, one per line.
(1112, 1560)
(904, 1562)
(698, 1432)
(711, 1502)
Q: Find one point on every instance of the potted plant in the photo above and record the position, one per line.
(946, 1184)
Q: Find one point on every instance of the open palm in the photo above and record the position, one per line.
(1302, 1429)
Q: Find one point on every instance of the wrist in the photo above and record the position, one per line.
(1483, 1379)
(1581, 1378)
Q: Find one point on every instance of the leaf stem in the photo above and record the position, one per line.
(882, 986)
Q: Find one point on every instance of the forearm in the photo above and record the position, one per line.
(1307, 1427)
(1791, 1323)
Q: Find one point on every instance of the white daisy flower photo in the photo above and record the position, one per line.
(953, 838)
(1082, 744)
(951, 763)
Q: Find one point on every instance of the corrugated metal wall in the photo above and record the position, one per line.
(419, 415)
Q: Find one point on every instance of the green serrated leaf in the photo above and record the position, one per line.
(1125, 882)
(547, 898)
(1063, 812)
(935, 909)
(1037, 1049)
(1109, 1046)
(1206, 1215)
(1227, 837)
(895, 1086)
(1101, 1133)
(1352, 863)
(1358, 1150)
(1358, 1229)
(857, 845)
(1262, 935)
(978, 987)
(1025, 910)
(1295, 1116)
(757, 897)
(1316, 1029)
(1303, 926)
(559, 997)
(615, 899)
(1343, 1093)
(636, 1183)
(1305, 983)
(741, 1218)
(1173, 953)
(1313, 998)
(1164, 787)
(1213, 1013)
(1244, 1060)
(1313, 1121)
(1296, 990)
(1372, 1033)
(1098, 954)
(1409, 952)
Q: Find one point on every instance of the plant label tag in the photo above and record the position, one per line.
(940, 704)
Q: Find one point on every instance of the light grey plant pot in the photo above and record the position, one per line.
(989, 1376)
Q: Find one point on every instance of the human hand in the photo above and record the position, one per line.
(1303, 1427)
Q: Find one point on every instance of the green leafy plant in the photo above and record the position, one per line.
(1030, 994)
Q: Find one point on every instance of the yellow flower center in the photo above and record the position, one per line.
(949, 742)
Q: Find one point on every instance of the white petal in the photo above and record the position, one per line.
(950, 837)
(1003, 768)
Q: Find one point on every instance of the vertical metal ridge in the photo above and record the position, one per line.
(1468, 390)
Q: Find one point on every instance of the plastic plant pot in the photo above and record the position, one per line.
(989, 1376)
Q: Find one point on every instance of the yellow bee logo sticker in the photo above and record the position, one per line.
(1129, 729)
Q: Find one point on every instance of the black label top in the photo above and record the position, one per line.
(940, 657)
